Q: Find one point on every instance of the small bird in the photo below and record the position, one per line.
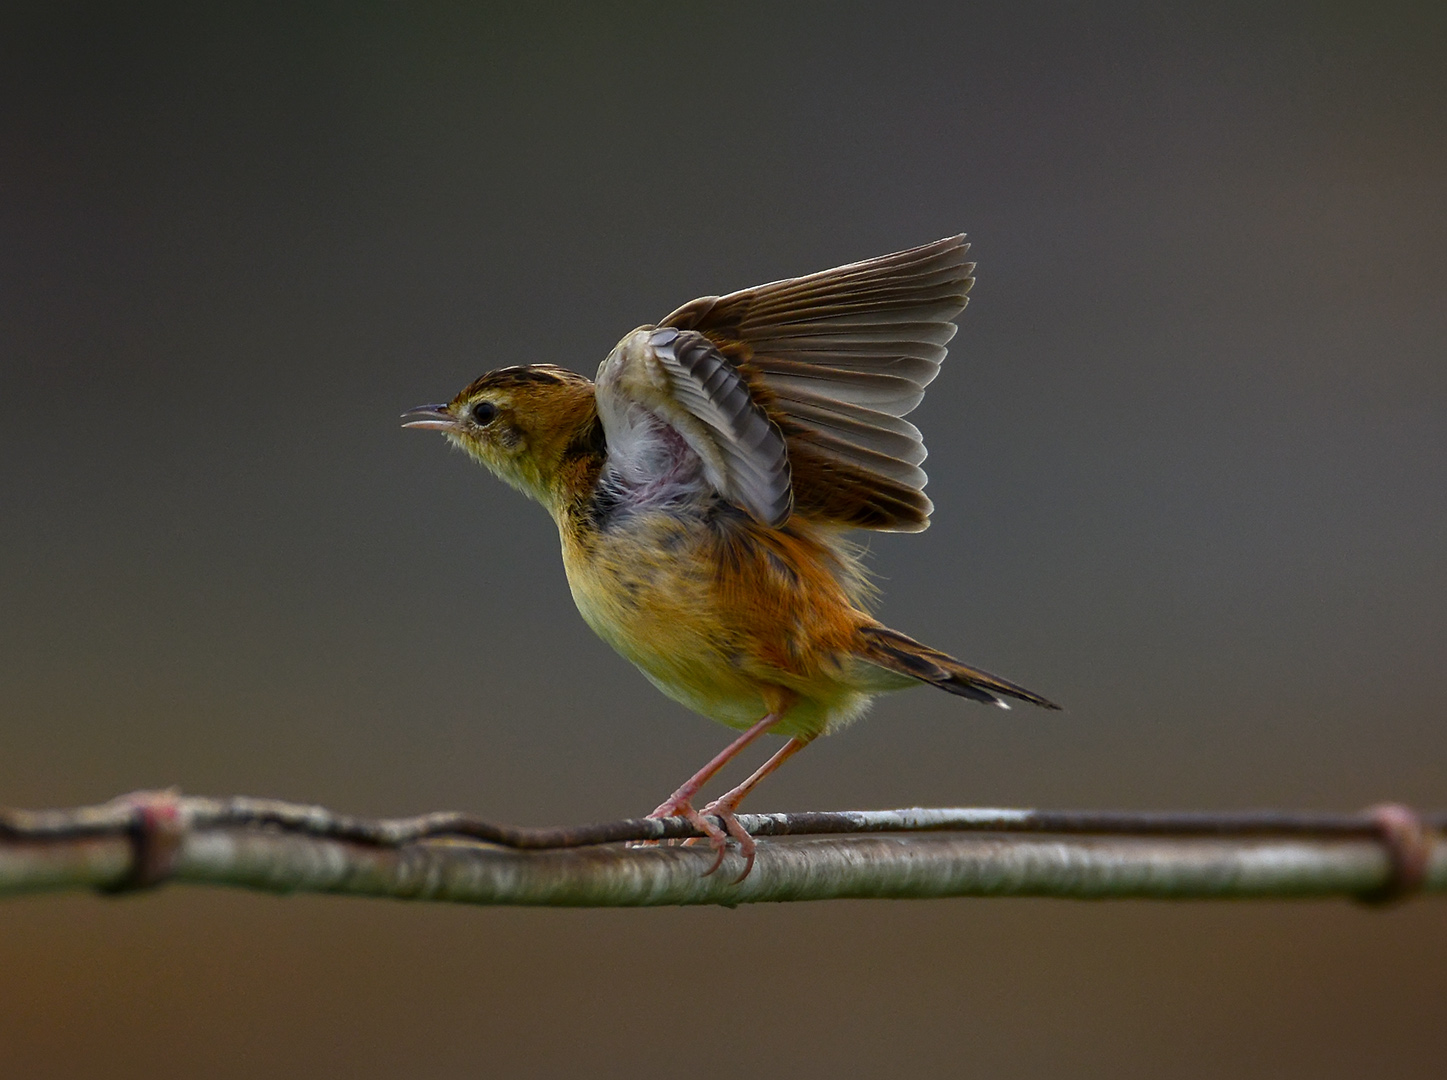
(703, 485)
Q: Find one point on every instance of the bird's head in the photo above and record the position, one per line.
(536, 427)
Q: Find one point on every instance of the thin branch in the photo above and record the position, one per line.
(150, 837)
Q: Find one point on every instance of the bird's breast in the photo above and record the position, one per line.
(712, 611)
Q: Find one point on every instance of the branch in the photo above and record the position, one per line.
(147, 838)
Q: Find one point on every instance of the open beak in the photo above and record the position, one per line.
(434, 417)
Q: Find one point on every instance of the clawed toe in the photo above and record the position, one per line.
(747, 847)
(675, 807)
(718, 839)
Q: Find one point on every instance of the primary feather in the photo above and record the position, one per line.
(837, 358)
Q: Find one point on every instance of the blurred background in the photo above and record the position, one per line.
(1187, 452)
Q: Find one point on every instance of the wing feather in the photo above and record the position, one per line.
(863, 428)
(883, 393)
(899, 470)
(917, 370)
(836, 358)
(681, 380)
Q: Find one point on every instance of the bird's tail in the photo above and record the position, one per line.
(902, 655)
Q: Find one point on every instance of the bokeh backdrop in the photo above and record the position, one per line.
(1188, 454)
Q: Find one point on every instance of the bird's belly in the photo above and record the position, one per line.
(651, 591)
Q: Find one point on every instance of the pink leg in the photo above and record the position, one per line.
(680, 803)
(724, 806)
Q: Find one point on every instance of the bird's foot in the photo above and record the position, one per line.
(682, 806)
(723, 809)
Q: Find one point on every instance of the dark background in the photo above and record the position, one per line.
(1188, 454)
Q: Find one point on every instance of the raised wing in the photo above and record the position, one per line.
(661, 384)
(834, 360)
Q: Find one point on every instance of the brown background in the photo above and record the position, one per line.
(1188, 455)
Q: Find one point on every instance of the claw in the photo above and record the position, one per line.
(720, 849)
(747, 847)
(717, 838)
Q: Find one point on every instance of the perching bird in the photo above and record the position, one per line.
(703, 484)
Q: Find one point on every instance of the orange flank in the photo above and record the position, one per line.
(702, 486)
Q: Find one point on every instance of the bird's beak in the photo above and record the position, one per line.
(435, 417)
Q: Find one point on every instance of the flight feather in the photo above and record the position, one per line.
(837, 359)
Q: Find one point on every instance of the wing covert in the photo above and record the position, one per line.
(681, 379)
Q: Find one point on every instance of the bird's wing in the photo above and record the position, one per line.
(661, 385)
(829, 363)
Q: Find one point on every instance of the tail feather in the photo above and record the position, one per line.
(896, 652)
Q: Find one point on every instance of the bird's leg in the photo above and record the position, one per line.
(724, 806)
(680, 803)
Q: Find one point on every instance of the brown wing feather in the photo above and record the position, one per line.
(836, 358)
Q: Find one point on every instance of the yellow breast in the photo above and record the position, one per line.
(713, 612)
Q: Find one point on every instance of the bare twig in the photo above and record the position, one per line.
(150, 837)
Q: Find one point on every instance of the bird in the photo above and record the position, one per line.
(705, 485)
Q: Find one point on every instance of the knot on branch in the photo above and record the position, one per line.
(1408, 842)
(155, 828)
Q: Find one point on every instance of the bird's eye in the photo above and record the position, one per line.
(484, 413)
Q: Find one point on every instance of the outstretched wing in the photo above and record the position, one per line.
(834, 361)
